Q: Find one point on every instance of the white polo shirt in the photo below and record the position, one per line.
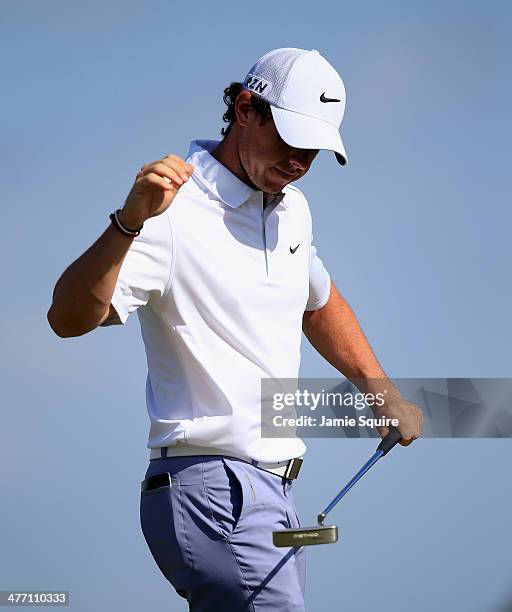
(220, 297)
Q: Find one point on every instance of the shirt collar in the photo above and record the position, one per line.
(220, 181)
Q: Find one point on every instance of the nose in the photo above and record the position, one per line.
(301, 159)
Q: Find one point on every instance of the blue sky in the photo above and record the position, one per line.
(414, 231)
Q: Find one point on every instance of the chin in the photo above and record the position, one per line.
(275, 184)
(273, 190)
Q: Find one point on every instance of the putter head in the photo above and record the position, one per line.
(306, 536)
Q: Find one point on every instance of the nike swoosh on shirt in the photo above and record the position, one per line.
(292, 251)
(324, 99)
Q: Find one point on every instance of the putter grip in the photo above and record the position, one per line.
(393, 438)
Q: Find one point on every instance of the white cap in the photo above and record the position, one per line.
(306, 97)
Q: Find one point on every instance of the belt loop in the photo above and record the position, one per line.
(163, 452)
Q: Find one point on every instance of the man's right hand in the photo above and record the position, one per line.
(155, 187)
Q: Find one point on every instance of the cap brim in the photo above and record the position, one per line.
(305, 132)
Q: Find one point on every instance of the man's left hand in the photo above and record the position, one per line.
(410, 418)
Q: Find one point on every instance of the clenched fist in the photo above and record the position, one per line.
(155, 187)
(409, 415)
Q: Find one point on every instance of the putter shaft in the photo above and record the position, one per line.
(375, 457)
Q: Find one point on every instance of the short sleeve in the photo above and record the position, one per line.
(319, 281)
(146, 268)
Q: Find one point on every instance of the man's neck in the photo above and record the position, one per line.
(226, 154)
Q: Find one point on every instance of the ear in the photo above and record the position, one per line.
(243, 108)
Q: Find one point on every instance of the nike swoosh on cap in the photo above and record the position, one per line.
(292, 251)
(324, 99)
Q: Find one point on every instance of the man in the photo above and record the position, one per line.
(224, 281)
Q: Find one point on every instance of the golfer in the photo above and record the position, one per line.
(215, 254)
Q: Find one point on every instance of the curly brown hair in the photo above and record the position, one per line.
(230, 95)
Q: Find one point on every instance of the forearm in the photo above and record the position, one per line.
(335, 333)
(83, 293)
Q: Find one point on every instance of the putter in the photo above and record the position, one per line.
(328, 534)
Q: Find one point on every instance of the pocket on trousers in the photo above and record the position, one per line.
(299, 524)
(162, 529)
(224, 494)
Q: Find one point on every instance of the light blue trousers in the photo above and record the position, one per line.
(210, 533)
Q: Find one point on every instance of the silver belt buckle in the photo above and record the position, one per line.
(293, 468)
